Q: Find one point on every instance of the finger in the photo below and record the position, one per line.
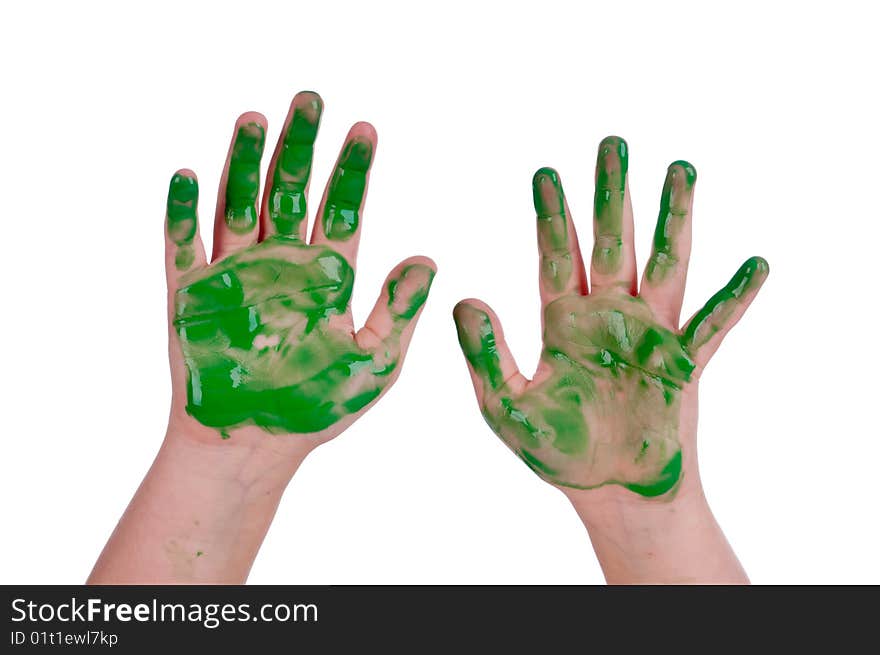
(339, 216)
(236, 221)
(183, 247)
(284, 203)
(707, 328)
(491, 365)
(389, 327)
(561, 268)
(666, 271)
(614, 258)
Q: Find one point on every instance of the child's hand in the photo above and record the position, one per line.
(614, 398)
(263, 336)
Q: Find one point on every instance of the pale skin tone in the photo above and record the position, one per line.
(610, 415)
(262, 342)
(204, 507)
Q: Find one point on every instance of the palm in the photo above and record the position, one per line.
(257, 338)
(607, 403)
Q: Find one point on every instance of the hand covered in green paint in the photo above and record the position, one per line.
(614, 398)
(263, 337)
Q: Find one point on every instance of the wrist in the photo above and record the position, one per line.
(202, 511)
(616, 510)
(665, 540)
(250, 463)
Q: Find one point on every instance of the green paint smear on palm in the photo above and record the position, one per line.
(674, 206)
(257, 339)
(287, 199)
(345, 194)
(183, 198)
(572, 427)
(611, 167)
(243, 178)
(605, 408)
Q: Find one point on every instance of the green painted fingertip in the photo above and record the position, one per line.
(688, 169)
(408, 292)
(547, 194)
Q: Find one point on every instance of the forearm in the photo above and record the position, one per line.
(199, 516)
(654, 541)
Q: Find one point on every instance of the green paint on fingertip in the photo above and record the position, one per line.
(549, 201)
(243, 178)
(612, 164)
(477, 340)
(547, 194)
(287, 198)
(183, 200)
(348, 185)
(674, 206)
(409, 290)
(690, 173)
(714, 315)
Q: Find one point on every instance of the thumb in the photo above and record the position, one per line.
(482, 342)
(390, 325)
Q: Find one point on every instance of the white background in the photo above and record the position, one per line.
(775, 104)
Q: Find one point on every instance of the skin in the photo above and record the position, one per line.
(610, 415)
(266, 364)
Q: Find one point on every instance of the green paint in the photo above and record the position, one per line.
(477, 340)
(668, 478)
(287, 199)
(345, 194)
(409, 291)
(549, 199)
(675, 203)
(536, 464)
(606, 402)
(644, 448)
(183, 200)
(716, 313)
(199, 553)
(612, 163)
(259, 347)
(570, 425)
(224, 434)
(243, 178)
